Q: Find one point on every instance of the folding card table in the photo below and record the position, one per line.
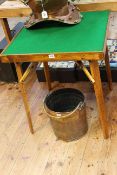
(60, 42)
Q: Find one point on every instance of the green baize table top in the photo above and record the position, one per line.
(51, 37)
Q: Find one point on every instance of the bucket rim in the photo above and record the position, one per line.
(60, 89)
(57, 115)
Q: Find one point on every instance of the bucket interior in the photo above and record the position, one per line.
(64, 100)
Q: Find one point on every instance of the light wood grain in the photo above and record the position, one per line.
(47, 75)
(108, 70)
(58, 57)
(97, 6)
(24, 96)
(14, 9)
(6, 29)
(17, 8)
(99, 97)
(42, 154)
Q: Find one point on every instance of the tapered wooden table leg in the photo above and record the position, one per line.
(24, 96)
(6, 29)
(99, 96)
(47, 75)
(108, 70)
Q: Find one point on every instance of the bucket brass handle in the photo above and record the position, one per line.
(80, 105)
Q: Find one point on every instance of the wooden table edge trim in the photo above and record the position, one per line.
(106, 57)
(25, 11)
(75, 56)
(106, 36)
(98, 6)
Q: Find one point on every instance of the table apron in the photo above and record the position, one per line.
(52, 57)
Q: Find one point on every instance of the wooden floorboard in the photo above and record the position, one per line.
(42, 153)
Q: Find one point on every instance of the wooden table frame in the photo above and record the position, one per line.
(92, 57)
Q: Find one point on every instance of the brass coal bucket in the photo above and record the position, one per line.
(67, 112)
